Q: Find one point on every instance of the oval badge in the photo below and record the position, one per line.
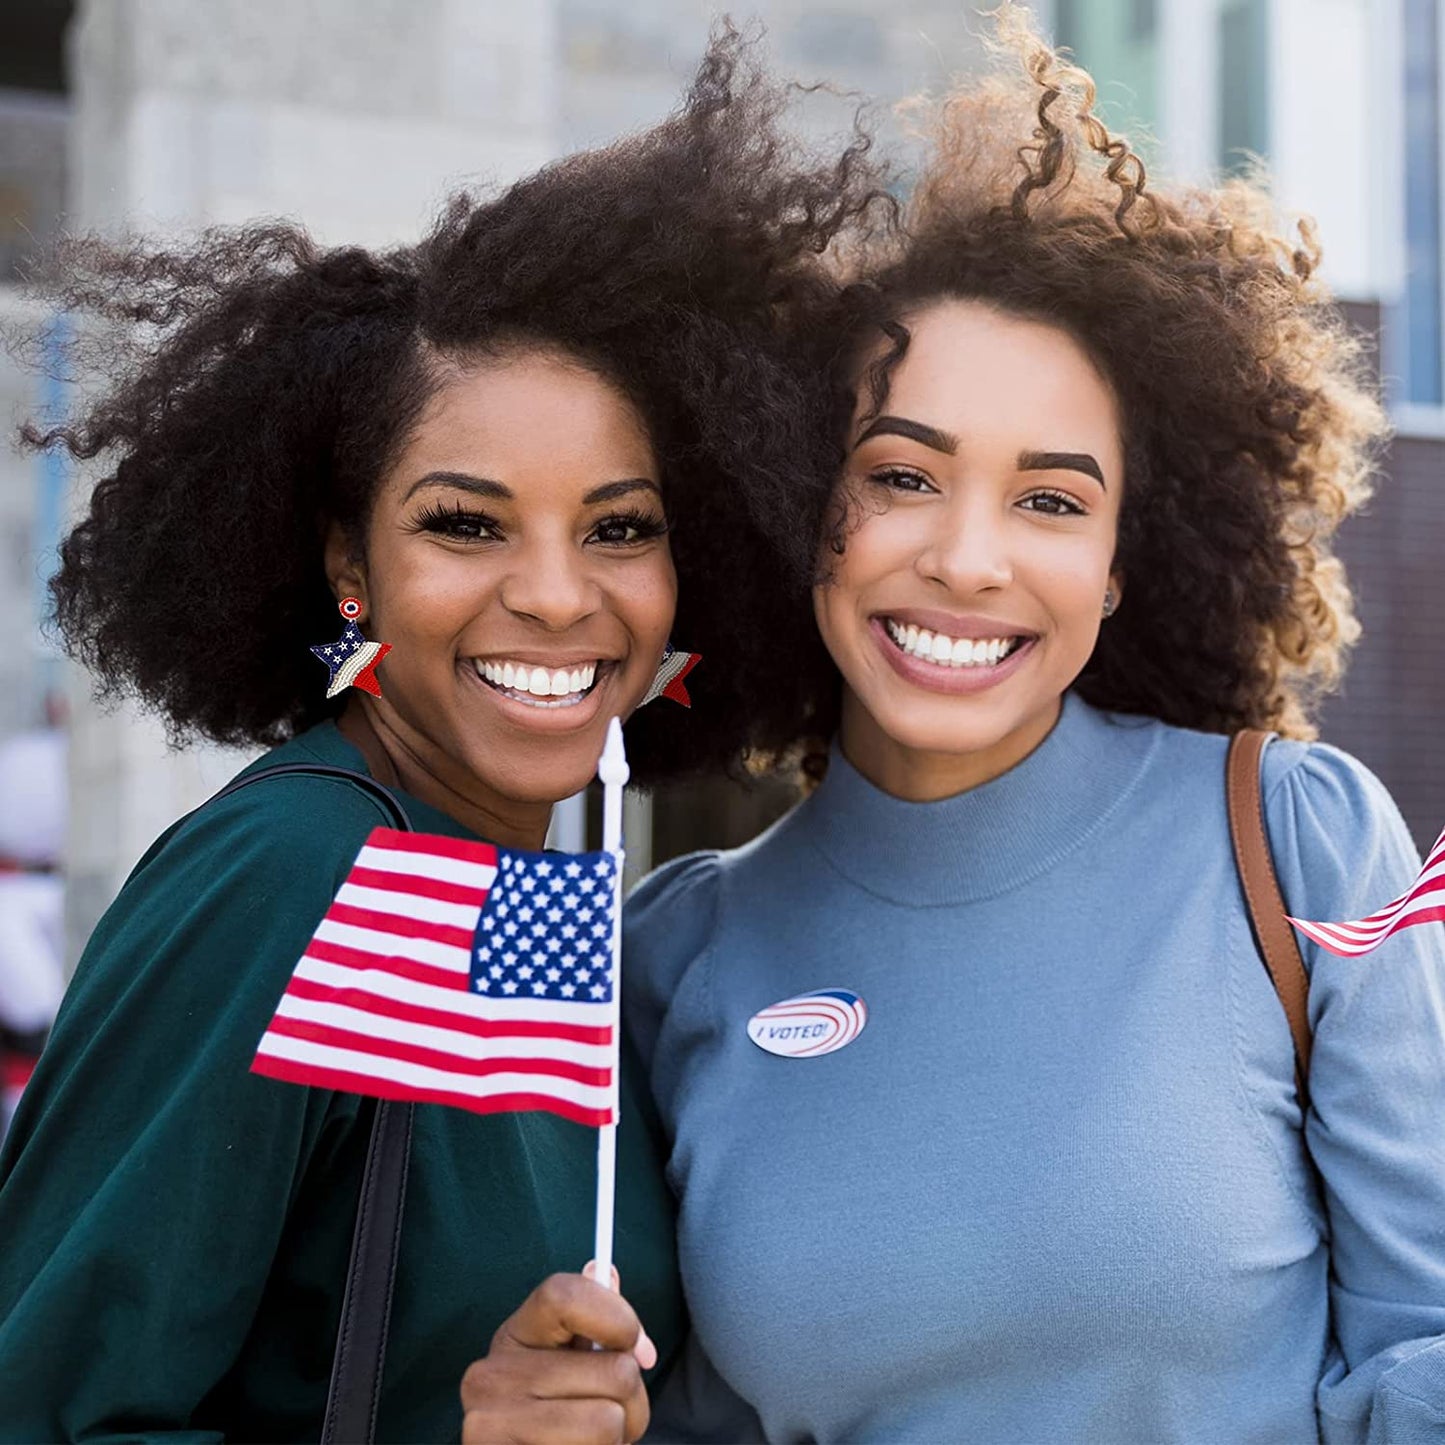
(809, 1025)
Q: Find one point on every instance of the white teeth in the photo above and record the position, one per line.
(569, 685)
(949, 651)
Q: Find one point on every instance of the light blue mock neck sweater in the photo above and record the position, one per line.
(1057, 1189)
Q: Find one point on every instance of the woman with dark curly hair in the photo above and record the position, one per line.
(1061, 1183)
(512, 453)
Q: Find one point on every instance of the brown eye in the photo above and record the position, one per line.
(899, 479)
(457, 523)
(629, 528)
(1053, 504)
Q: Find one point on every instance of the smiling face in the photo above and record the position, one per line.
(517, 562)
(985, 505)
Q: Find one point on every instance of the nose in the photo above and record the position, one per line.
(551, 584)
(966, 548)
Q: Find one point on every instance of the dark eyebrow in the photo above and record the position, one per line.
(917, 431)
(610, 491)
(1062, 462)
(478, 486)
(485, 487)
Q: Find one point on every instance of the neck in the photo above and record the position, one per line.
(919, 775)
(392, 761)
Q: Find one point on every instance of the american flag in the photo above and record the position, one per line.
(1423, 902)
(455, 972)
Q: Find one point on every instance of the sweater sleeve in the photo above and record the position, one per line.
(1376, 1127)
(667, 925)
(145, 1187)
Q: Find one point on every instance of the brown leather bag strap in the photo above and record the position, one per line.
(1273, 933)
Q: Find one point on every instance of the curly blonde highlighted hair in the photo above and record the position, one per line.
(1251, 429)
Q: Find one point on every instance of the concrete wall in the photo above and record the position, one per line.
(356, 116)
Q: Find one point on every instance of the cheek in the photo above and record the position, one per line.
(1070, 581)
(879, 547)
(425, 589)
(647, 597)
(876, 546)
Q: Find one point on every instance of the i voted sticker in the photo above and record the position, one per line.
(809, 1025)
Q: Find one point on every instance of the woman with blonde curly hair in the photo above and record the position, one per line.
(1064, 1182)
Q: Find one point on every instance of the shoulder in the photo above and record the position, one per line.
(1340, 848)
(667, 925)
(223, 903)
(190, 959)
(1329, 814)
(669, 918)
(295, 825)
(677, 892)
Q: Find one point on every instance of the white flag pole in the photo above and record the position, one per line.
(614, 772)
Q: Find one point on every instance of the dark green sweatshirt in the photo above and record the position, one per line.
(174, 1230)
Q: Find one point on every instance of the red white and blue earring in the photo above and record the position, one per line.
(352, 660)
(669, 681)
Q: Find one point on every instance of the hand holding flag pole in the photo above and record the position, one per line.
(614, 772)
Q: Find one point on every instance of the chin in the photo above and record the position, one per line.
(542, 771)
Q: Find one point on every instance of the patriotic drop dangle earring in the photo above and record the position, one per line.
(669, 681)
(352, 660)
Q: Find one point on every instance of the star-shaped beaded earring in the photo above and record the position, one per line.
(351, 659)
(670, 679)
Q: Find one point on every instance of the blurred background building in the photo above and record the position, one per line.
(358, 115)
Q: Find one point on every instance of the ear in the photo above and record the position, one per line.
(345, 572)
(1116, 585)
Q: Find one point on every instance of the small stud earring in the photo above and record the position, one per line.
(1111, 603)
(351, 659)
(669, 681)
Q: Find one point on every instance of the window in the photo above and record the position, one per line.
(1243, 83)
(1420, 349)
(1066, 23)
(1143, 20)
(1116, 41)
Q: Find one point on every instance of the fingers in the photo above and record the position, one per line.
(553, 1422)
(532, 1387)
(566, 1305)
(590, 1270)
(554, 1396)
(644, 1350)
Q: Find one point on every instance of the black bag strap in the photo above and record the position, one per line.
(355, 1390)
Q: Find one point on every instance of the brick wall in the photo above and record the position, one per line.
(1391, 712)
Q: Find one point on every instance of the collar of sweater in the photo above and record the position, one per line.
(992, 838)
